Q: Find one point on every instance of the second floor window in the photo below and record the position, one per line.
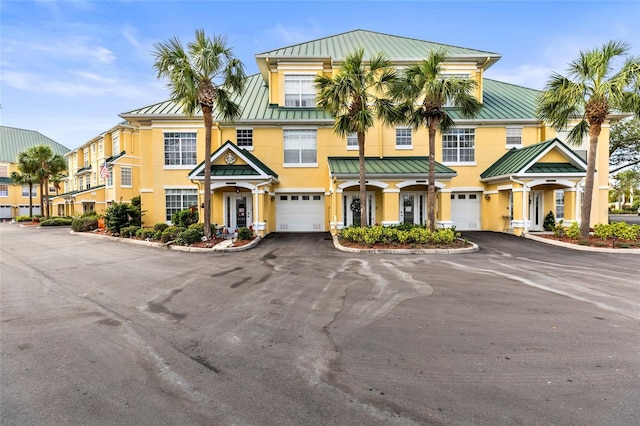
(459, 146)
(115, 144)
(300, 146)
(3, 171)
(299, 91)
(514, 136)
(352, 141)
(81, 183)
(179, 149)
(109, 181)
(403, 138)
(25, 191)
(244, 138)
(86, 157)
(125, 176)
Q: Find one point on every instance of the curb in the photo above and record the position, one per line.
(581, 248)
(474, 248)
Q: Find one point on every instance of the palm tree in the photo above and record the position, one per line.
(355, 97)
(46, 166)
(26, 175)
(589, 92)
(425, 92)
(202, 77)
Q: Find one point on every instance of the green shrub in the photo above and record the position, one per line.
(559, 230)
(573, 231)
(160, 226)
(189, 236)
(245, 233)
(84, 224)
(185, 217)
(23, 218)
(602, 230)
(89, 213)
(144, 234)
(129, 231)
(121, 215)
(170, 233)
(157, 236)
(549, 221)
(57, 221)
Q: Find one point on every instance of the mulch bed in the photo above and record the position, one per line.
(455, 245)
(594, 241)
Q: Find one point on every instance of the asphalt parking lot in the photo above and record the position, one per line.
(294, 331)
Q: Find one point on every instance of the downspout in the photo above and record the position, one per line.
(524, 202)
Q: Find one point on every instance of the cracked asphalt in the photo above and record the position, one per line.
(295, 332)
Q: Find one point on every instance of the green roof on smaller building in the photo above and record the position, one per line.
(522, 160)
(233, 169)
(14, 141)
(405, 166)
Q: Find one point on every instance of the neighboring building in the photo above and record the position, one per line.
(14, 199)
(102, 171)
(280, 167)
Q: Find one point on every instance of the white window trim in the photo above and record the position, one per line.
(352, 147)
(179, 166)
(299, 165)
(130, 177)
(284, 89)
(514, 145)
(460, 163)
(404, 147)
(248, 148)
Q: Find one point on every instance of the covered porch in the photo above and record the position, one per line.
(396, 191)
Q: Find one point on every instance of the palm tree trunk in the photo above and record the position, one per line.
(585, 214)
(30, 199)
(41, 198)
(46, 198)
(208, 123)
(363, 183)
(431, 190)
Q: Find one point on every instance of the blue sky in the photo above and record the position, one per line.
(67, 68)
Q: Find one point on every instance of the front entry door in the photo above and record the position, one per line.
(536, 212)
(413, 207)
(408, 204)
(238, 210)
(241, 212)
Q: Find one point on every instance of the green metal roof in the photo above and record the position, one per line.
(13, 141)
(397, 48)
(232, 170)
(520, 160)
(409, 166)
(555, 168)
(504, 101)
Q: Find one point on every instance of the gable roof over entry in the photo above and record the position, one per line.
(254, 168)
(523, 161)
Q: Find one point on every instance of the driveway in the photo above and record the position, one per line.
(294, 331)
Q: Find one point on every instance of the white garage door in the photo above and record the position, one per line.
(465, 210)
(300, 213)
(24, 210)
(5, 211)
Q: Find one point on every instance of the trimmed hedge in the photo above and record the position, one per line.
(397, 235)
(85, 223)
(57, 221)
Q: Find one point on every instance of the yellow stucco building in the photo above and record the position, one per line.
(281, 168)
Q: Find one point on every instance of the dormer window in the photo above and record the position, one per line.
(299, 91)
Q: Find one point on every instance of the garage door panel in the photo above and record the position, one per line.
(465, 211)
(300, 213)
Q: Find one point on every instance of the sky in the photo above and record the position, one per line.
(69, 67)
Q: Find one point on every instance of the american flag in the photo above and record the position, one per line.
(104, 171)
